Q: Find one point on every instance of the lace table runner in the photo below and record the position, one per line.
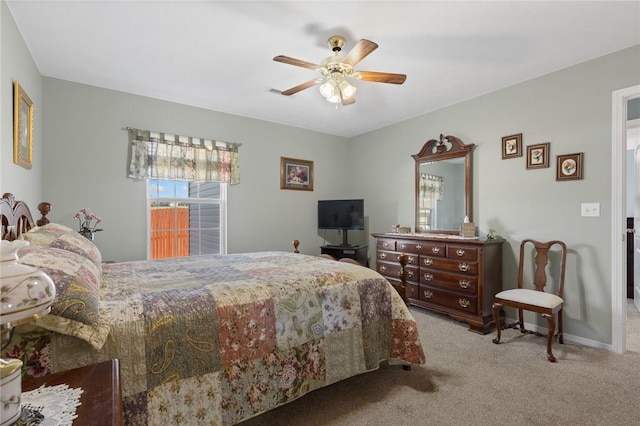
(56, 404)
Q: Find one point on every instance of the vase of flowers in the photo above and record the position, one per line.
(88, 223)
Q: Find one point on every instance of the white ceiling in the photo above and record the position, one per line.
(219, 54)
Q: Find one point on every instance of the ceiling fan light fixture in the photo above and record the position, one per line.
(336, 68)
(328, 88)
(335, 98)
(347, 90)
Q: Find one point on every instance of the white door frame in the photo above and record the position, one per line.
(618, 219)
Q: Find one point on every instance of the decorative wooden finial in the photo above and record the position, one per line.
(295, 243)
(44, 208)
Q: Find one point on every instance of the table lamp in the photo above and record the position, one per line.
(26, 293)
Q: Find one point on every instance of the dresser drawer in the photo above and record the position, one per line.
(462, 253)
(452, 265)
(462, 283)
(386, 244)
(394, 256)
(390, 256)
(412, 290)
(392, 270)
(449, 299)
(422, 247)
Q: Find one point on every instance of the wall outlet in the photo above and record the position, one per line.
(590, 209)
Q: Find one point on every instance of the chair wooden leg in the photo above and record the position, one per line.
(521, 321)
(496, 319)
(552, 328)
(560, 335)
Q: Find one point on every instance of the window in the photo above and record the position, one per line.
(186, 218)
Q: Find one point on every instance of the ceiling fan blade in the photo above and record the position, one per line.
(381, 77)
(359, 52)
(349, 101)
(296, 62)
(301, 87)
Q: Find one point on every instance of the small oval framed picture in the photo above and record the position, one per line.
(569, 166)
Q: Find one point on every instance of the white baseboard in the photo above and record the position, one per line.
(571, 338)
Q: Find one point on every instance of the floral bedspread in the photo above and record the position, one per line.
(219, 339)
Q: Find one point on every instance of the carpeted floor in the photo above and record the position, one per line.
(633, 327)
(468, 380)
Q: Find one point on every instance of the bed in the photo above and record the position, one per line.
(213, 339)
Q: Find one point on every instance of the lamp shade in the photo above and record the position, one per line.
(327, 89)
(346, 89)
(25, 292)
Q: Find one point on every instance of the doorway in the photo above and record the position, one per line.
(618, 210)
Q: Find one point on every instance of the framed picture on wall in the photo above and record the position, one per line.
(296, 174)
(512, 146)
(538, 156)
(569, 166)
(22, 127)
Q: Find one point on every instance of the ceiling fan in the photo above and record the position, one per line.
(336, 68)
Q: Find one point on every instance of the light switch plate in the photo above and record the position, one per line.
(590, 209)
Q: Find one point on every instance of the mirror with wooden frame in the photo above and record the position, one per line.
(443, 185)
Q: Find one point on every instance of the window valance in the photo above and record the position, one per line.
(432, 186)
(156, 155)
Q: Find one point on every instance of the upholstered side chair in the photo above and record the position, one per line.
(535, 299)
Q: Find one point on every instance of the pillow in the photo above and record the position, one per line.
(59, 236)
(76, 310)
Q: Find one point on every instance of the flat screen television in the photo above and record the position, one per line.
(341, 214)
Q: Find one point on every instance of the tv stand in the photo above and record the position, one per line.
(358, 253)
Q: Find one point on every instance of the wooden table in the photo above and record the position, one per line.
(101, 399)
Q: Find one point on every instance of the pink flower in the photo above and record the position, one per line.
(88, 221)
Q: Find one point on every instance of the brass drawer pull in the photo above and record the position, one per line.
(428, 294)
(460, 252)
(418, 246)
(403, 246)
(410, 273)
(463, 267)
(428, 276)
(409, 259)
(428, 261)
(435, 249)
(382, 268)
(464, 283)
(383, 255)
(385, 245)
(464, 303)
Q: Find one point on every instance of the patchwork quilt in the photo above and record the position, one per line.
(219, 339)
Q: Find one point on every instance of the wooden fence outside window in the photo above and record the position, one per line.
(169, 232)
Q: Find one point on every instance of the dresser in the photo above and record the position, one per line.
(454, 276)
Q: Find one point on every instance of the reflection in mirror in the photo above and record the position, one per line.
(443, 185)
(441, 198)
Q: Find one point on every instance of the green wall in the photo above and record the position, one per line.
(16, 64)
(571, 109)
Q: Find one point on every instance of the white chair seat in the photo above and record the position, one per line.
(531, 297)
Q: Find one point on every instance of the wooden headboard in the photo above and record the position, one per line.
(16, 217)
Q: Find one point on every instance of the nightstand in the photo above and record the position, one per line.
(101, 399)
(358, 253)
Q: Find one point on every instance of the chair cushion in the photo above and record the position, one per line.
(531, 297)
